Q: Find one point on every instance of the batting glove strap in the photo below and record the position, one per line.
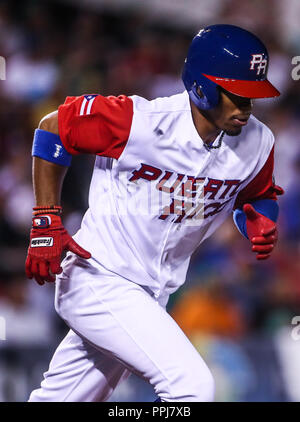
(45, 221)
(52, 209)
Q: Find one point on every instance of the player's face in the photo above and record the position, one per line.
(232, 113)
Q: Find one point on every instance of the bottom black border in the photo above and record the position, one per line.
(149, 411)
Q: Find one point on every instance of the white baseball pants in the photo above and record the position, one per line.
(118, 328)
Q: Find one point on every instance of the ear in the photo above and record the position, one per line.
(199, 92)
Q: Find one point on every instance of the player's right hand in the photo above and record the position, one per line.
(48, 240)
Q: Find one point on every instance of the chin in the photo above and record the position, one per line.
(233, 132)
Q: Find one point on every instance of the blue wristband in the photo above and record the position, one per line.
(268, 207)
(48, 146)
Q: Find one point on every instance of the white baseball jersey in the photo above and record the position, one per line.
(157, 191)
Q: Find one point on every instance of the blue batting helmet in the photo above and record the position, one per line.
(230, 57)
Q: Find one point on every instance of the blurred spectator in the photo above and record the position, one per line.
(208, 311)
(30, 77)
(288, 23)
(291, 204)
(25, 325)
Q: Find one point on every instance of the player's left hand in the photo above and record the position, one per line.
(262, 232)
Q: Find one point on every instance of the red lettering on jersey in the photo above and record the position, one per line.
(190, 188)
(161, 184)
(217, 207)
(146, 172)
(229, 184)
(195, 212)
(178, 207)
(212, 186)
(187, 198)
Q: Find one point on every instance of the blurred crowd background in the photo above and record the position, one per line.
(237, 312)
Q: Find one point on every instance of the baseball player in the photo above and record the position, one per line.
(167, 174)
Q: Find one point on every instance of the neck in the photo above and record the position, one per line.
(206, 129)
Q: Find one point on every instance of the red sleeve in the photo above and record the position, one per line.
(261, 187)
(95, 124)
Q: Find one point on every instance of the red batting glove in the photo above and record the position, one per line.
(262, 232)
(48, 240)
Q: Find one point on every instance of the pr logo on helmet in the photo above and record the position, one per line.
(258, 63)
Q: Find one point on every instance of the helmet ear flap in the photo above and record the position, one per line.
(204, 93)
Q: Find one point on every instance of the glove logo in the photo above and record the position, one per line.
(41, 241)
(41, 222)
